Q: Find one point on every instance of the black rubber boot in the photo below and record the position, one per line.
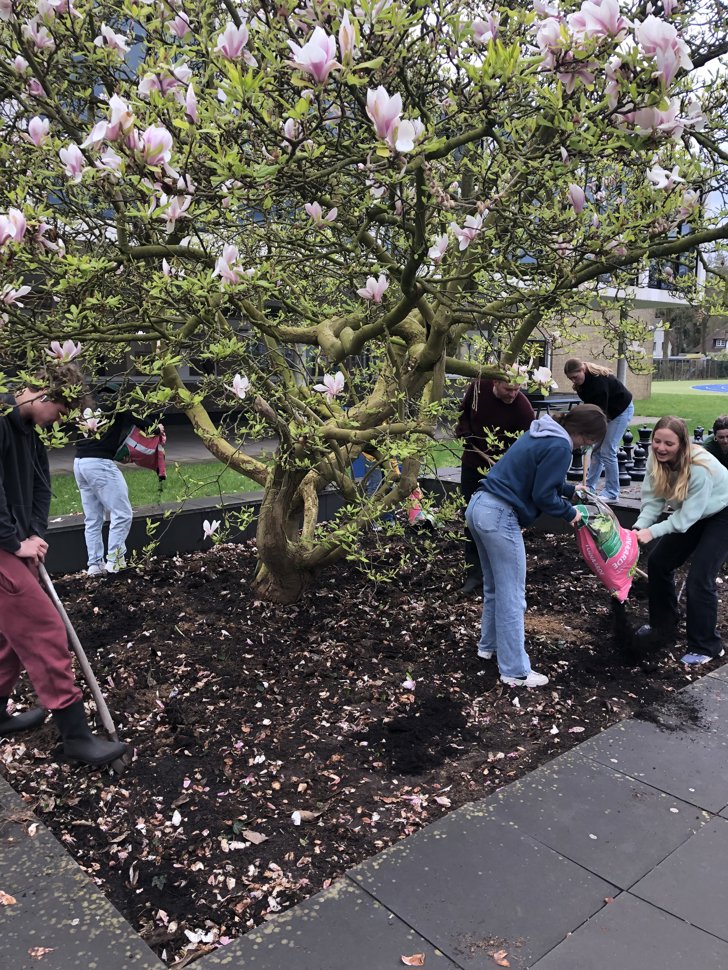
(653, 638)
(79, 744)
(473, 584)
(13, 723)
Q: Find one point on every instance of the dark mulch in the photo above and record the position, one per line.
(276, 747)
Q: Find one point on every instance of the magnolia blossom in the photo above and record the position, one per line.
(650, 121)
(542, 377)
(240, 386)
(660, 178)
(314, 210)
(92, 421)
(564, 155)
(347, 39)
(156, 145)
(660, 40)
(19, 64)
(177, 209)
(317, 57)
(551, 38)
(332, 386)
(408, 683)
(690, 201)
(471, 229)
(109, 162)
(437, 250)
(291, 131)
(517, 373)
(374, 289)
(191, 105)
(120, 123)
(38, 35)
(209, 528)
(180, 26)
(12, 226)
(226, 268)
(64, 351)
(166, 82)
(38, 130)
(109, 38)
(11, 297)
(598, 19)
(404, 134)
(232, 44)
(73, 161)
(6, 10)
(577, 198)
(383, 110)
(486, 30)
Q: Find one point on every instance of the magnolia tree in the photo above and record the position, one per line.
(311, 208)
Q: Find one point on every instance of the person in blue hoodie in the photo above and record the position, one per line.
(527, 481)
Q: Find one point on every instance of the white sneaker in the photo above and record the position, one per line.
(533, 680)
(96, 570)
(115, 566)
(486, 654)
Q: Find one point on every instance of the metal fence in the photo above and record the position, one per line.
(687, 369)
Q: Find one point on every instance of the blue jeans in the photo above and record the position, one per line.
(494, 526)
(605, 455)
(372, 481)
(103, 490)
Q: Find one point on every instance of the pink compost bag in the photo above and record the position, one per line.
(143, 450)
(609, 551)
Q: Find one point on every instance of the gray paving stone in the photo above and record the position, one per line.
(689, 764)
(613, 825)
(629, 934)
(721, 672)
(710, 697)
(67, 914)
(469, 882)
(693, 883)
(28, 851)
(342, 927)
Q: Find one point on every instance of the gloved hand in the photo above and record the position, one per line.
(583, 494)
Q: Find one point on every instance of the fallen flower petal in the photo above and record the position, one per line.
(416, 960)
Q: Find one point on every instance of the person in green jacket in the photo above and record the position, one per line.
(717, 442)
(695, 485)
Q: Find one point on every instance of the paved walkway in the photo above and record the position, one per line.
(613, 856)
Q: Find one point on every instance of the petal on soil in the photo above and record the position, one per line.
(499, 957)
(6, 899)
(416, 960)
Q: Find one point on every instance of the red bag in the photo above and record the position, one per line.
(609, 551)
(143, 450)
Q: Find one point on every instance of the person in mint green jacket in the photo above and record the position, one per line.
(695, 484)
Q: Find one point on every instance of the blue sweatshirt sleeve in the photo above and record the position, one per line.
(549, 484)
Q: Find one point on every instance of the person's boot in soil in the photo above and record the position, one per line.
(651, 638)
(13, 723)
(473, 584)
(79, 744)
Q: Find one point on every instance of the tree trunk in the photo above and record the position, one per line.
(282, 575)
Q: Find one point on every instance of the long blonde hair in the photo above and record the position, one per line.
(673, 481)
(574, 364)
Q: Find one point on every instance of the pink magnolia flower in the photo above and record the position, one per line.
(669, 6)
(318, 218)
(660, 178)
(232, 44)
(12, 226)
(470, 231)
(38, 130)
(694, 116)
(347, 39)
(240, 386)
(11, 296)
(121, 118)
(660, 40)
(20, 65)
(180, 26)
(73, 161)
(38, 35)
(332, 386)
(542, 376)
(690, 201)
(6, 10)
(437, 250)
(109, 38)
(109, 162)
(374, 289)
(564, 156)
(156, 145)
(650, 121)
(64, 351)
(92, 421)
(166, 81)
(317, 57)
(35, 88)
(383, 110)
(176, 209)
(210, 528)
(577, 198)
(404, 134)
(226, 268)
(599, 19)
(486, 30)
(551, 38)
(191, 105)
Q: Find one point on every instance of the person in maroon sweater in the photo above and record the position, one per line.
(493, 414)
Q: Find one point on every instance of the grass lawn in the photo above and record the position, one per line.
(199, 480)
(699, 408)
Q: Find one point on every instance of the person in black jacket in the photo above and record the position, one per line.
(717, 442)
(102, 486)
(32, 634)
(597, 385)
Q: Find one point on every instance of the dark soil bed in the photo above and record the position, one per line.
(276, 747)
